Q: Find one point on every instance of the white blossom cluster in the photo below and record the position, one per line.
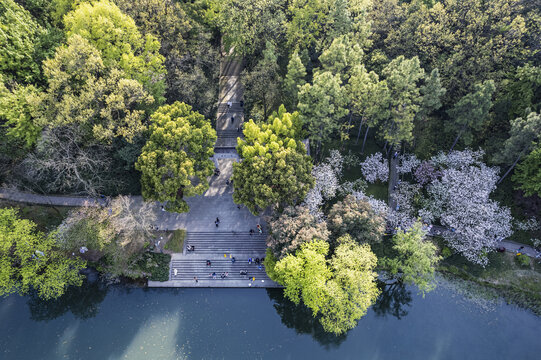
(458, 159)
(375, 168)
(527, 225)
(407, 163)
(460, 199)
(327, 176)
(380, 207)
(404, 215)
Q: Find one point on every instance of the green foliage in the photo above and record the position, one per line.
(17, 110)
(352, 216)
(416, 260)
(522, 138)
(18, 36)
(248, 25)
(154, 266)
(275, 169)
(368, 95)
(175, 161)
(340, 290)
(342, 56)
(294, 79)
(292, 228)
(402, 77)
(83, 92)
(523, 260)
(528, 173)
(321, 105)
(120, 43)
(469, 41)
(262, 85)
(446, 252)
(471, 111)
(29, 260)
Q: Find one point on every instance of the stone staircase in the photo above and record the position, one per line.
(220, 243)
(187, 269)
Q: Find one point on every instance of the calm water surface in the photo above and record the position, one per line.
(120, 323)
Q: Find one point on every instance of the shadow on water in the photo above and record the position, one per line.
(393, 300)
(300, 318)
(83, 302)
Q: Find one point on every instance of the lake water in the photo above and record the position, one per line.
(121, 323)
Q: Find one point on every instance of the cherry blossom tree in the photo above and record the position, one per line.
(327, 175)
(375, 167)
(408, 163)
(460, 200)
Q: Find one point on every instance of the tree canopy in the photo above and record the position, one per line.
(29, 260)
(275, 169)
(175, 161)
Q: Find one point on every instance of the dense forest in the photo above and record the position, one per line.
(96, 97)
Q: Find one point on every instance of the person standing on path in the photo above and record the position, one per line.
(195, 279)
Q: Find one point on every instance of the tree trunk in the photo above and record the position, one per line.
(509, 170)
(364, 141)
(456, 140)
(359, 132)
(385, 147)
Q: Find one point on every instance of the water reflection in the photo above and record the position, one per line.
(394, 298)
(83, 302)
(300, 318)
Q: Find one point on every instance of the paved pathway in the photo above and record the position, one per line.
(53, 200)
(231, 238)
(510, 246)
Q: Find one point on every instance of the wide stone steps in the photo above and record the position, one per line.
(226, 243)
(187, 269)
(235, 107)
(229, 134)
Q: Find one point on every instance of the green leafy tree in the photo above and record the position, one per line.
(275, 169)
(352, 216)
(432, 91)
(368, 97)
(120, 43)
(175, 161)
(262, 85)
(16, 110)
(528, 173)
(340, 290)
(522, 139)
(416, 258)
(295, 78)
(308, 22)
(352, 289)
(322, 104)
(294, 227)
(248, 25)
(471, 111)
(29, 260)
(18, 40)
(402, 77)
(469, 41)
(341, 57)
(83, 92)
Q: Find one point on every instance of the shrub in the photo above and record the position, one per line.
(522, 260)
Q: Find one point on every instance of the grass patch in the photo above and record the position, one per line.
(46, 217)
(176, 243)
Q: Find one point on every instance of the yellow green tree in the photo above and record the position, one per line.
(339, 290)
(275, 169)
(83, 92)
(120, 43)
(416, 258)
(176, 159)
(29, 260)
